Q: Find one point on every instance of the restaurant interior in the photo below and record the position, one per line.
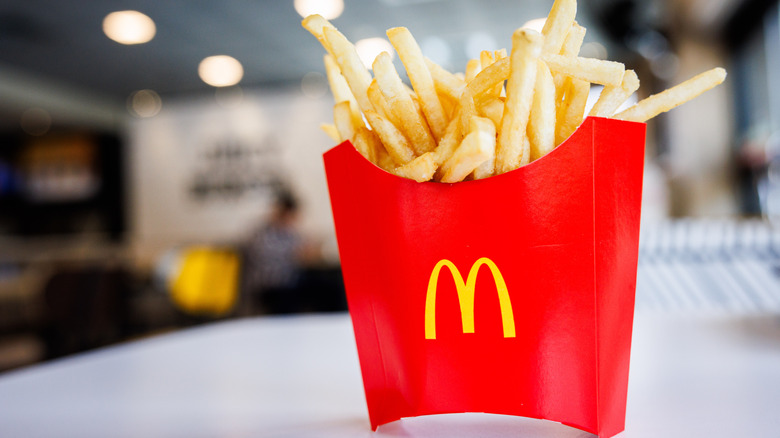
(140, 166)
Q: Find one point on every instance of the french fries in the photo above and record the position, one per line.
(501, 113)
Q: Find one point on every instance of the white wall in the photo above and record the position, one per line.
(168, 150)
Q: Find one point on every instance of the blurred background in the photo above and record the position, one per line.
(150, 163)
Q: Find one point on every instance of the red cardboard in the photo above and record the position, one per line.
(508, 295)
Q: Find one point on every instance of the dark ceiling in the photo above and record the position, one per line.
(63, 40)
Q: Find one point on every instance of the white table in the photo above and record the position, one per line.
(706, 376)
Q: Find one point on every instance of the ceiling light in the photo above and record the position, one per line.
(129, 27)
(144, 103)
(220, 71)
(536, 24)
(368, 49)
(329, 9)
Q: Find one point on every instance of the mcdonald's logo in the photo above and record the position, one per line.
(466, 297)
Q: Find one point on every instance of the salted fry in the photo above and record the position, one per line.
(487, 130)
(380, 103)
(541, 124)
(510, 150)
(402, 105)
(613, 96)
(591, 70)
(331, 131)
(572, 112)
(342, 118)
(468, 109)
(573, 42)
(420, 169)
(449, 142)
(557, 25)
(493, 110)
(420, 77)
(473, 67)
(488, 78)
(316, 24)
(476, 148)
(362, 143)
(340, 89)
(397, 145)
(673, 97)
(446, 83)
(357, 76)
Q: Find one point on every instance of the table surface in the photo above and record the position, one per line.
(691, 376)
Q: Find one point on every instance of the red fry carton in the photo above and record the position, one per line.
(508, 295)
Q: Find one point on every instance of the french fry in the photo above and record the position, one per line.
(591, 70)
(395, 143)
(363, 143)
(357, 76)
(541, 124)
(573, 110)
(510, 150)
(488, 78)
(557, 25)
(473, 67)
(420, 169)
(613, 96)
(401, 104)
(468, 109)
(476, 148)
(340, 89)
(342, 118)
(673, 97)
(380, 103)
(331, 131)
(571, 47)
(493, 110)
(421, 79)
(450, 141)
(487, 130)
(445, 82)
(316, 24)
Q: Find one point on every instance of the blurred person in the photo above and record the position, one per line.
(272, 268)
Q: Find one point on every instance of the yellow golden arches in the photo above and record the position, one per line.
(466, 297)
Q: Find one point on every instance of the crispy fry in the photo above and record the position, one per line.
(468, 109)
(573, 110)
(673, 97)
(557, 25)
(340, 89)
(446, 83)
(487, 130)
(380, 103)
(331, 131)
(363, 144)
(342, 118)
(476, 148)
(574, 39)
(587, 69)
(316, 24)
(449, 142)
(612, 97)
(510, 150)
(490, 77)
(357, 76)
(541, 124)
(420, 77)
(395, 143)
(420, 169)
(402, 105)
(473, 67)
(493, 110)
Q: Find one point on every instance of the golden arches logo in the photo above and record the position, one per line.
(466, 297)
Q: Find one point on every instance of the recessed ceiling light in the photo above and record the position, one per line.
(129, 27)
(329, 9)
(220, 71)
(144, 103)
(368, 49)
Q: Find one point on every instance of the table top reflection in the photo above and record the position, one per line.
(714, 376)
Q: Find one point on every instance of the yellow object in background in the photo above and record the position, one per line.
(207, 283)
